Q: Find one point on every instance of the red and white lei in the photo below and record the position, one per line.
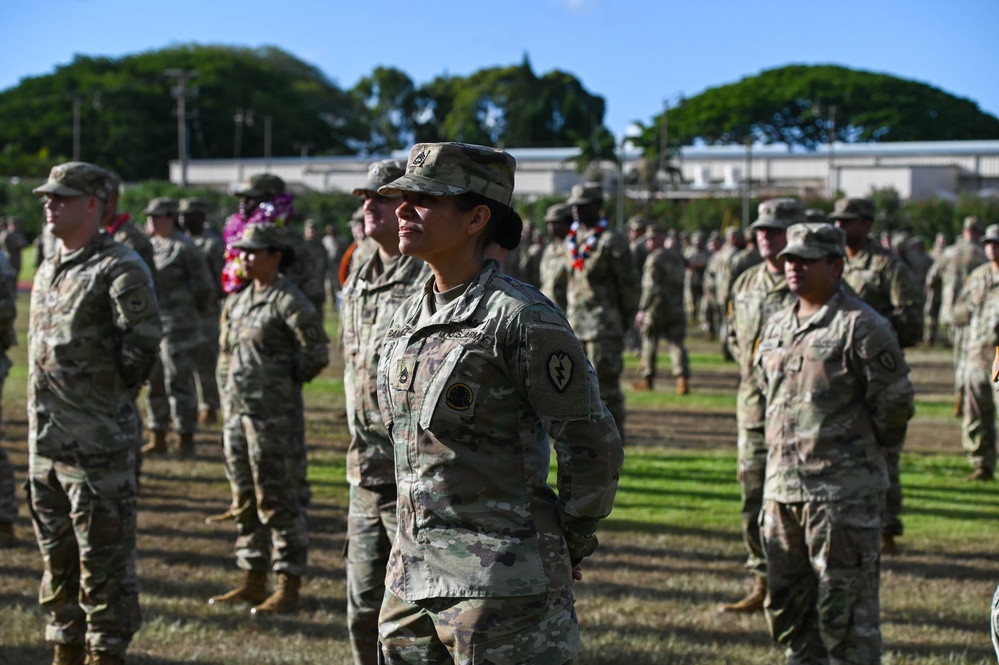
(580, 256)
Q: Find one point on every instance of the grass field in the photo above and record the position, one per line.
(670, 553)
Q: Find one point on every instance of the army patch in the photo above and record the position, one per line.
(560, 370)
(459, 397)
(136, 302)
(313, 334)
(887, 360)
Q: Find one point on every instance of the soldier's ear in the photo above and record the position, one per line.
(480, 218)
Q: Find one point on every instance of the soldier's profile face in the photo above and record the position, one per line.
(771, 242)
(64, 213)
(992, 251)
(431, 228)
(855, 230)
(380, 221)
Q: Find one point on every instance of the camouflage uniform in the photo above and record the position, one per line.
(271, 342)
(603, 293)
(133, 237)
(207, 353)
(320, 264)
(980, 298)
(554, 266)
(8, 338)
(471, 394)
(663, 313)
(94, 331)
(743, 260)
(837, 398)
(717, 284)
(697, 256)
(185, 291)
(882, 281)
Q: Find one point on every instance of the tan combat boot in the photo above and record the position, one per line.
(104, 658)
(157, 444)
(7, 539)
(282, 601)
(751, 603)
(186, 447)
(252, 591)
(681, 386)
(69, 654)
(958, 405)
(208, 416)
(642, 385)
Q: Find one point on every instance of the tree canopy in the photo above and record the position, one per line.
(802, 105)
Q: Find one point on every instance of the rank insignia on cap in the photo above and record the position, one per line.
(560, 369)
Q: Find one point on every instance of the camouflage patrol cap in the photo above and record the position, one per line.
(816, 215)
(381, 173)
(195, 205)
(779, 214)
(812, 240)
(560, 212)
(78, 179)
(656, 229)
(311, 224)
(450, 169)
(733, 232)
(852, 209)
(991, 233)
(261, 185)
(639, 223)
(972, 223)
(899, 239)
(590, 192)
(161, 206)
(260, 236)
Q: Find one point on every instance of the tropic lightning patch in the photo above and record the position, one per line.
(887, 360)
(459, 397)
(560, 369)
(557, 373)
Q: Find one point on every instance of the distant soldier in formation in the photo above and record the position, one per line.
(554, 264)
(184, 290)
(979, 298)
(13, 242)
(718, 283)
(8, 338)
(638, 226)
(745, 258)
(93, 337)
(696, 254)
(881, 280)
(319, 258)
(838, 400)
(943, 285)
(193, 214)
(120, 227)
(603, 292)
(912, 250)
(271, 343)
(661, 313)
(374, 290)
(756, 295)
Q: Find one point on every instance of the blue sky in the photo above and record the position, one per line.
(635, 53)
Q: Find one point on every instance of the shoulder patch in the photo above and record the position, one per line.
(560, 369)
(557, 372)
(887, 360)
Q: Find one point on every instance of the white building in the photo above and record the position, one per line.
(916, 170)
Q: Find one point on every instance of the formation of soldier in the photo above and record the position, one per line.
(173, 285)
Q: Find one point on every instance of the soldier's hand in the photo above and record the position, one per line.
(577, 572)
(639, 318)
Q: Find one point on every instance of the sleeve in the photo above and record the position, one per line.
(137, 315)
(889, 394)
(8, 305)
(562, 388)
(202, 287)
(906, 312)
(628, 280)
(313, 353)
(933, 299)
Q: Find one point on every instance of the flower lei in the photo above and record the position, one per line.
(276, 211)
(579, 257)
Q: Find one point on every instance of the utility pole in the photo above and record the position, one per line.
(76, 128)
(181, 92)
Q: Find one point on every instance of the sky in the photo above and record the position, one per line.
(637, 54)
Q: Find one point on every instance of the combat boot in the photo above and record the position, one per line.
(681, 386)
(751, 603)
(69, 654)
(643, 385)
(888, 546)
(157, 444)
(7, 539)
(282, 601)
(981, 475)
(186, 447)
(208, 416)
(104, 658)
(958, 405)
(252, 591)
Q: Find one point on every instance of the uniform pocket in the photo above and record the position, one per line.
(554, 641)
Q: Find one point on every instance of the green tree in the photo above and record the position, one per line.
(389, 99)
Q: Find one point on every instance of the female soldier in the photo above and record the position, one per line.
(479, 373)
(271, 342)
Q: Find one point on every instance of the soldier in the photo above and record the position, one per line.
(319, 258)
(718, 283)
(8, 338)
(757, 294)
(638, 226)
(554, 264)
(661, 313)
(371, 296)
(184, 290)
(193, 212)
(271, 342)
(944, 282)
(479, 375)
(882, 281)
(696, 254)
(13, 244)
(745, 258)
(603, 292)
(838, 399)
(979, 298)
(119, 227)
(94, 334)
